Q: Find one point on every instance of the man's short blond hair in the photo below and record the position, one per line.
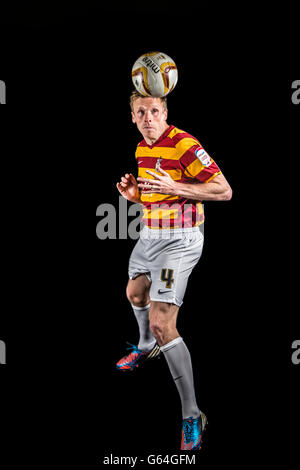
(135, 95)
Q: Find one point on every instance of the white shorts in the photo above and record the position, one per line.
(167, 263)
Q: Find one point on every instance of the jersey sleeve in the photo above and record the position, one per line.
(195, 163)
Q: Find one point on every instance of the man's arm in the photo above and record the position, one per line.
(218, 189)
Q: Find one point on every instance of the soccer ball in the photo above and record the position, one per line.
(154, 74)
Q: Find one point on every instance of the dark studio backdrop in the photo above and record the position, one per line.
(70, 138)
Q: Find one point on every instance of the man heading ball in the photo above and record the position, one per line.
(175, 174)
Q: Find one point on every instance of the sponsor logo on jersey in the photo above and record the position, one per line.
(203, 156)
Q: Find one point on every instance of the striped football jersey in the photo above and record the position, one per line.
(184, 159)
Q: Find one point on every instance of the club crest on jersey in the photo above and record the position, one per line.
(203, 156)
(157, 166)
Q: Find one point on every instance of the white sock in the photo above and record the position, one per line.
(147, 340)
(179, 361)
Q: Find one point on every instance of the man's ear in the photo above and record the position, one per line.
(133, 117)
(166, 114)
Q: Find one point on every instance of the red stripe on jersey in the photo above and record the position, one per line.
(207, 173)
(188, 215)
(182, 135)
(143, 144)
(188, 157)
(150, 162)
(181, 201)
(159, 142)
(146, 162)
(188, 221)
(167, 142)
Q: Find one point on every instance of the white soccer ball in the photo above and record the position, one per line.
(154, 74)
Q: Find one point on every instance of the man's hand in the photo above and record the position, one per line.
(129, 189)
(161, 184)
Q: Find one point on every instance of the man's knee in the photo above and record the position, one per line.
(137, 293)
(163, 320)
(157, 329)
(163, 332)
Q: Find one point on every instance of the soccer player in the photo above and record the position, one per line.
(175, 174)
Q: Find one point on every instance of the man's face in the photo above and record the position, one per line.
(150, 117)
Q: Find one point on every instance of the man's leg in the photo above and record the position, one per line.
(138, 295)
(163, 317)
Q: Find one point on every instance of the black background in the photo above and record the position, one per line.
(66, 139)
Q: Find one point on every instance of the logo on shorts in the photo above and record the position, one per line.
(163, 291)
(203, 156)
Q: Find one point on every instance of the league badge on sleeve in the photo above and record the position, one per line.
(203, 156)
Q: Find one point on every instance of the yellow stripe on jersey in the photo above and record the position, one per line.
(156, 197)
(159, 152)
(175, 174)
(215, 174)
(175, 131)
(184, 145)
(160, 213)
(169, 153)
(194, 168)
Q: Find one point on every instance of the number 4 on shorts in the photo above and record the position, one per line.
(168, 278)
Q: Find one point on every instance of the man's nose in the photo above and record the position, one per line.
(148, 116)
